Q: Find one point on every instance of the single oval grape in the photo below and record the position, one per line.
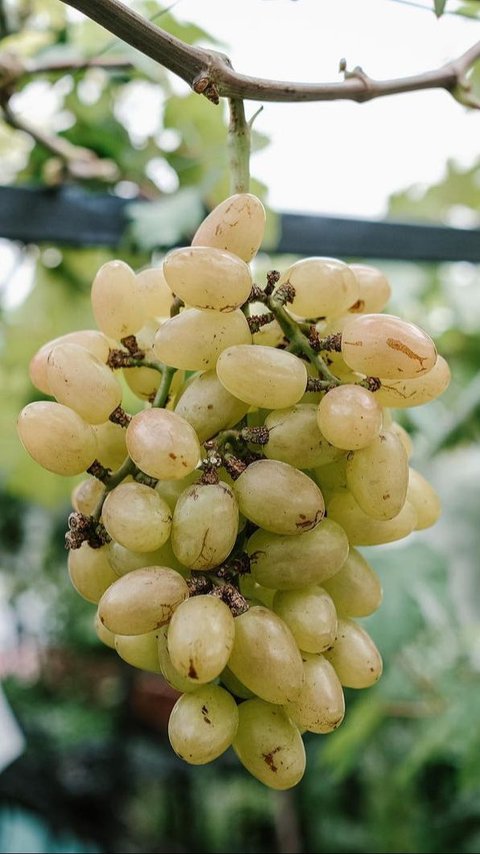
(424, 499)
(86, 495)
(200, 638)
(323, 286)
(142, 600)
(140, 651)
(310, 614)
(154, 292)
(136, 517)
(356, 589)
(91, 339)
(377, 476)
(355, 657)
(387, 346)
(205, 525)
(405, 393)
(207, 277)
(374, 290)
(203, 724)
(269, 744)
(194, 339)
(90, 571)
(294, 437)
(162, 444)
(56, 437)
(207, 405)
(111, 444)
(349, 417)
(262, 376)
(117, 306)
(320, 706)
(81, 381)
(236, 225)
(169, 672)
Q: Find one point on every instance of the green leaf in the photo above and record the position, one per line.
(167, 222)
(439, 7)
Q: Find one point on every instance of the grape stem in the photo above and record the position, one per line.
(161, 396)
(239, 137)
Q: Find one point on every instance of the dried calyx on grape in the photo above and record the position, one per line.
(217, 527)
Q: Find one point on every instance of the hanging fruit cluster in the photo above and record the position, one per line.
(218, 526)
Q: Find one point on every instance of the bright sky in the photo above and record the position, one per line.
(345, 158)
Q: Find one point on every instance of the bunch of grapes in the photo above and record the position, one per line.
(217, 529)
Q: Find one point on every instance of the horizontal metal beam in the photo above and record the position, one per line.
(70, 215)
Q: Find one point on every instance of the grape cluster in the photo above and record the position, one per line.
(218, 526)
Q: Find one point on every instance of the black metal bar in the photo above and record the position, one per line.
(70, 215)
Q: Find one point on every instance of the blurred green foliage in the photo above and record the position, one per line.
(402, 774)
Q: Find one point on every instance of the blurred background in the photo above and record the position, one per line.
(85, 764)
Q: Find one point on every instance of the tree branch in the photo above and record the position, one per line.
(211, 74)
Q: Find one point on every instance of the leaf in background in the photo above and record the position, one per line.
(27, 43)
(470, 9)
(166, 222)
(439, 7)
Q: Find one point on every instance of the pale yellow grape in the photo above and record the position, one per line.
(139, 650)
(208, 278)
(154, 292)
(286, 563)
(169, 672)
(81, 381)
(203, 724)
(234, 685)
(320, 706)
(171, 490)
(256, 593)
(207, 405)
(349, 417)
(333, 477)
(269, 745)
(194, 339)
(124, 560)
(205, 525)
(237, 224)
(200, 638)
(136, 517)
(86, 495)
(162, 444)
(404, 437)
(374, 289)
(310, 614)
(142, 600)
(424, 499)
(323, 286)
(56, 437)
(262, 376)
(377, 476)
(387, 346)
(295, 438)
(103, 634)
(93, 341)
(404, 393)
(111, 444)
(265, 656)
(356, 589)
(363, 530)
(355, 657)
(117, 306)
(90, 571)
(279, 498)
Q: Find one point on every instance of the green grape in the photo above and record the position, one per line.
(261, 490)
(323, 286)
(405, 393)
(56, 437)
(310, 614)
(81, 381)
(86, 495)
(205, 525)
(356, 589)
(162, 444)
(320, 706)
(269, 744)
(262, 376)
(169, 672)
(332, 477)
(124, 560)
(111, 444)
(355, 657)
(90, 571)
(295, 438)
(265, 657)
(424, 499)
(236, 225)
(256, 593)
(363, 530)
(171, 490)
(377, 476)
(142, 600)
(140, 651)
(290, 562)
(349, 417)
(232, 684)
(195, 339)
(136, 517)
(387, 346)
(208, 406)
(207, 277)
(104, 635)
(374, 289)
(92, 340)
(402, 434)
(116, 302)
(203, 724)
(200, 638)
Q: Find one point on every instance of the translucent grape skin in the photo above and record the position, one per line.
(355, 657)
(116, 302)
(262, 376)
(91, 339)
(295, 438)
(310, 614)
(140, 651)
(169, 672)
(323, 286)
(207, 405)
(203, 724)
(269, 744)
(142, 600)
(136, 517)
(194, 339)
(320, 706)
(205, 525)
(200, 638)
(377, 476)
(356, 589)
(383, 345)
(363, 530)
(349, 417)
(406, 393)
(374, 289)
(208, 278)
(90, 571)
(236, 225)
(81, 381)
(162, 444)
(56, 437)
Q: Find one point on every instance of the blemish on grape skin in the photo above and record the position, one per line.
(192, 673)
(205, 715)
(268, 759)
